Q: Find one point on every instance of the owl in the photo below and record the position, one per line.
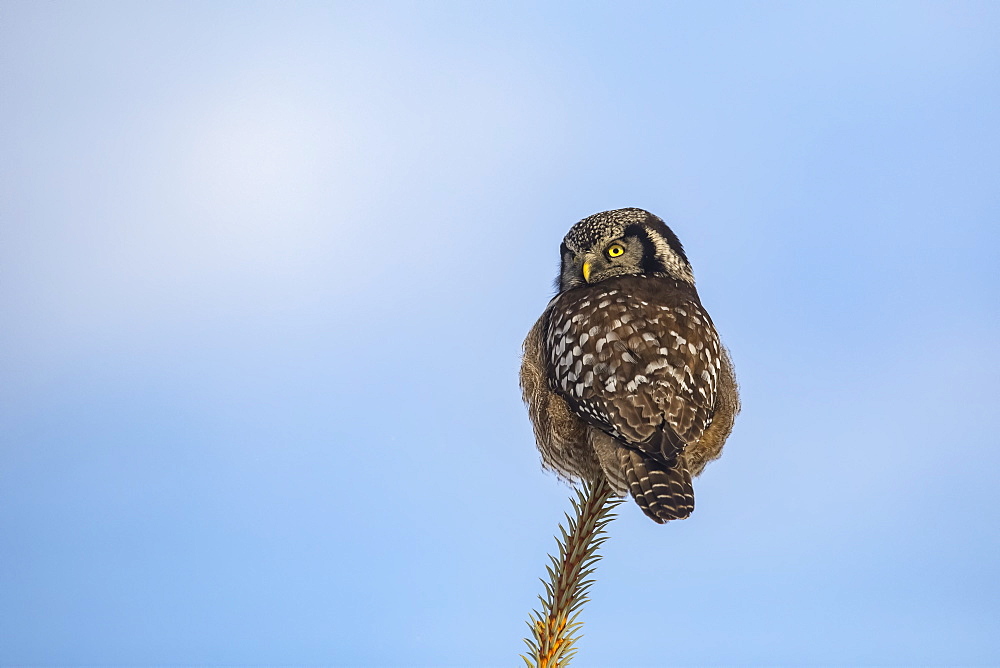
(624, 375)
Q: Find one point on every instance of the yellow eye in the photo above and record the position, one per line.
(614, 250)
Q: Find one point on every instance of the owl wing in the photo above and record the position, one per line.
(638, 361)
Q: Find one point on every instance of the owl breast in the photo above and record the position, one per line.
(636, 357)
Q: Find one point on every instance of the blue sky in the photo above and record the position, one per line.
(265, 270)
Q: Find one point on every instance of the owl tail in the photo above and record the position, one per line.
(663, 493)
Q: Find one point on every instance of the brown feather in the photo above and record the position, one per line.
(626, 378)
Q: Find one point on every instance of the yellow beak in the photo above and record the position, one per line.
(586, 270)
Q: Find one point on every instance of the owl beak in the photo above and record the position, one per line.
(586, 270)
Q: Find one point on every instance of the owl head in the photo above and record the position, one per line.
(623, 242)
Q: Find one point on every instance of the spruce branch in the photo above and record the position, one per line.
(555, 629)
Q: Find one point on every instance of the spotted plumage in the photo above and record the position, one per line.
(624, 374)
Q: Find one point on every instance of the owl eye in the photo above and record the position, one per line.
(614, 250)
